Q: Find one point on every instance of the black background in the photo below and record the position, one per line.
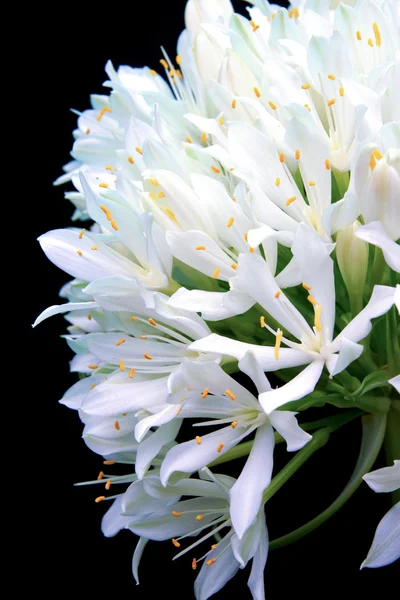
(60, 542)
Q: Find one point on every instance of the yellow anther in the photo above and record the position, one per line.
(306, 286)
(103, 185)
(331, 77)
(114, 225)
(213, 546)
(82, 231)
(317, 317)
(116, 426)
(200, 247)
(273, 16)
(233, 103)
(147, 356)
(378, 154)
(234, 424)
(194, 564)
(311, 183)
(204, 137)
(109, 462)
(133, 318)
(121, 341)
(171, 215)
(211, 561)
(178, 410)
(277, 293)
(100, 476)
(370, 42)
(254, 25)
(161, 194)
(278, 181)
(152, 196)
(291, 13)
(164, 63)
(372, 161)
(312, 300)
(87, 131)
(108, 168)
(278, 341)
(94, 247)
(220, 446)
(341, 91)
(216, 273)
(106, 211)
(79, 252)
(233, 197)
(205, 392)
(153, 72)
(307, 107)
(199, 517)
(131, 373)
(178, 59)
(257, 92)
(154, 181)
(221, 121)
(272, 105)
(306, 86)
(358, 35)
(175, 513)
(89, 316)
(297, 154)
(175, 543)
(139, 150)
(172, 72)
(108, 484)
(262, 321)
(233, 266)
(215, 169)
(152, 322)
(189, 140)
(143, 337)
(130, 160)
(281, 157)
(198, 439)
(230, 222)
(246, 235)
(251, 250)
(327, 164)
(290, 200)
(99, 499)
(331, 102)
(230, 394)
(101, 113)
(121, 365)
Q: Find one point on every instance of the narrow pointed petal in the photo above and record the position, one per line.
(213, 578)
(59, 309)
(137, 555)
(213, 306)
(113, 521)
(349, 351)
(384, 480)
(150, 447)
(286, 424)
(385, 547)
(256, 579)
(376, 234)
(395, 382)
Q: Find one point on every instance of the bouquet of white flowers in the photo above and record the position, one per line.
(241, 213)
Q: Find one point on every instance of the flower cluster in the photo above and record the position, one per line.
(241, 213)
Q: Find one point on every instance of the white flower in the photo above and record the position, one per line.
(385, 547)
(316, 346)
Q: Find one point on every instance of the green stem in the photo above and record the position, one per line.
(392, 441)
(392, 343)
(378, 267)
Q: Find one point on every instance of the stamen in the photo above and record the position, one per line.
(194, 564)
(172, 72)
(100, 476)
(370, 42)
(277, 181)
(317, 318)
(200, 247)
(109, 462)
(233, 266)
(108, 485)
(306, 286)
(164, 63)
(94, 248)
(277, 294)
(92, 386)
(99, 499)
(93, 367)
(114, 225)
(306, 86)
(262, 321)
(103, 185)
(331, 77)
(278, 343)
(211, 561)
(79, 252)
(189, 140)
(204, 137)
(147, 356)
(152, 196)
(80, 236)
(138, 149)
(272, 105)
(257, 92)
(220, 446)
(372, 161)
(205, 392)
(87, 131)
(341, 91)
(176, 513)
(152, 322)
(133, 318)
(233, 103)
(245, 235)
(311, 183)
(130, 160)
(312, 300)
(290, 200)
(221, 121)
(153, 72)
(230, 394)
(131, 373)
(297, 154)
(171, 215)
(121, 366)
(307, 107)
(230, 222)
(161, 194)
(116, 425)
(254, 25)
(251, 250)
(198, 439)
(327, 164)
(358, 35)
(175, 543)
(378, 154)
(178, 59)
(199, 518)
(216, 273)
(234, 424)
(233, 197)
(215, 169)
(281, 157)
(108, 168)
(331, 102)
(89, 316)
(101, 113)
(121, 341)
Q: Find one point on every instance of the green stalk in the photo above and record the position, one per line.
(392, 343)
(392, 441)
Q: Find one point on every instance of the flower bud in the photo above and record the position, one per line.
(209, 52)
(204, 11)
(237, 77)
(352, 257)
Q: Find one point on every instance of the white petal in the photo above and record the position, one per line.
(384, 480)
(349, 351)
(75, 395)
(376, 234)
(286, 424)
(395, 382)
(58, 309)
(213, 306)
(256, 579)
(341, 214)
(249, 365)
(213, 578)
(150, 447)
(385, 547)
(113, 521)
(246, 494)
(137, 555)
(382, 300)
(301, 385)
(245, 548)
